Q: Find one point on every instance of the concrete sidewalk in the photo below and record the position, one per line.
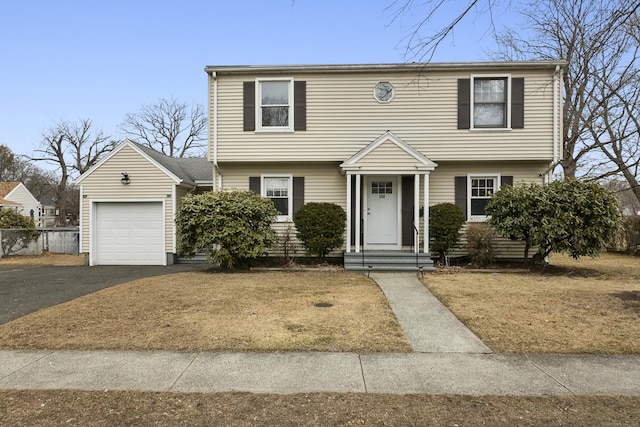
(428, 325)
(433, 373)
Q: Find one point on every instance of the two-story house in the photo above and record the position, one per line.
(384, 141)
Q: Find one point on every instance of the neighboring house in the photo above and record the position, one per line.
(48, 212)
(15, 195)
(128, 202)
(384, 141)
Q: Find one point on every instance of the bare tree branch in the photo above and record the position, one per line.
(170, 127)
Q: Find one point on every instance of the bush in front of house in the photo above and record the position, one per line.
(17, 231)
(515, 212)
(233, 227)
(320, 226)
(480, 243)
(569, 216)
(445, 222)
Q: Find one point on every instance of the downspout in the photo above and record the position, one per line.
(556, 120)
(214, 133)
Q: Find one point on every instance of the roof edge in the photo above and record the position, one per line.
(396, 67)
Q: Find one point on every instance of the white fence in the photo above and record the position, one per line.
(61, 240)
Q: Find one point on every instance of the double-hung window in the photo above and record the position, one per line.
(279, 189)
(275, 105)
(490, 102)
(481, 189)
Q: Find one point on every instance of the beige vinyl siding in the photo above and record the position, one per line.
(343, 117)
(147, 182)
(388, 157)
(442, 188)
(322, 181)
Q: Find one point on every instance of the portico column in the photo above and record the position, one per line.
(416, 212)
(349, 213)
(358, 214)
(426, 213)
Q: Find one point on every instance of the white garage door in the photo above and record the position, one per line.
(129, 234)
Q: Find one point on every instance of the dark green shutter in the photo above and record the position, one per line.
(408, 232)
(464, 101)
(461, 193)
(506, 180)
(298, 193)
(300, 105)
(249, 105)
(254, 184)
(517, 103)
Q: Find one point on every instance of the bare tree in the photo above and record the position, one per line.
(169, 126)
(428, 32)
(599, 39)
(73, 147)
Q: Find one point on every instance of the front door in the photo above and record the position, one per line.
(382, 212)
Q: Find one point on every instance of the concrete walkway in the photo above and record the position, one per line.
(433, 373)
(428, 325)
(448, 358)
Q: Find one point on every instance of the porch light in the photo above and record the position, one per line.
(125, 178)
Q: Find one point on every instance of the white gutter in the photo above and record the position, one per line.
(214, 133)
(556, 146)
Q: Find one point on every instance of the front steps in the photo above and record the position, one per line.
(388, 261)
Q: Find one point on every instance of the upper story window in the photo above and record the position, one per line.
(490, 103)
(275, 107)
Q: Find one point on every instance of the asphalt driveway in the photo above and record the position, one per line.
(25, 289)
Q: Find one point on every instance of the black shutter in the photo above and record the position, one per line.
(254, 184)
(506, 180)
(461, 193)
(408, 233)
(517, 103)
(298, 193)
(249, 105)
(300, 105)
(464, 100)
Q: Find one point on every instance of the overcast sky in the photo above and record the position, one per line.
(68, 59)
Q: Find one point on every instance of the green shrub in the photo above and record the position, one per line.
(19, 231)
(445, 222)
(320, 227)
(568, 216)
(480, 243)
(234, 227)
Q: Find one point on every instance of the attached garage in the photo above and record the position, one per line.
(129, 233)
(129, 201)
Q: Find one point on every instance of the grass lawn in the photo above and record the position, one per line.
(584, 306)
(271, 311)
(573, 306)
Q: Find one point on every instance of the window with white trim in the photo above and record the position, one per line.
(274, 105)
(481, 189)
(490, 102)
(279, 189)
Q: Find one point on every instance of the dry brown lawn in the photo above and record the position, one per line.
(126, 408)
(45, 259)
(200, 311)
(573, 306)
